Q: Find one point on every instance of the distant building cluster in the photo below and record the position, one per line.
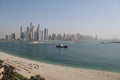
(32, 33)
(71, 37)
(10, 37)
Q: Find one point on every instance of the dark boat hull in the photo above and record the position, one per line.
(61, 46)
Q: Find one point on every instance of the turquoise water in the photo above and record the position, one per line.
(83, 54)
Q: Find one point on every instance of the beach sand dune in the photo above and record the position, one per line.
(29, 68)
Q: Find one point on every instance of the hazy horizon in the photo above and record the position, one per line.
(88, 17)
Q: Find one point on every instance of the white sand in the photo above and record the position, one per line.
(55, 72)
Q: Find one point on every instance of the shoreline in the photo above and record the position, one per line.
(29, 67)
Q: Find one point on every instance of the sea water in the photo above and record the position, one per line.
(80, 54)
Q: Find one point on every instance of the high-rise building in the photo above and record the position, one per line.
(59, 37)
(64, 37)
(6, 37)
(13, 36)
(38, 32)
(45, 34)
(50, 37)
(42, 35)
(20, 32)
(27, 33)
(36, 35)
(31, 34)
(78, 36)
(53, 36)
(22, 35)
(72, 38)
(30, 25)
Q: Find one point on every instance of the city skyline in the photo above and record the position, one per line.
(35, 33)
(87, 17)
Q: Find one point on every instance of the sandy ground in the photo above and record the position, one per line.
(29, 68)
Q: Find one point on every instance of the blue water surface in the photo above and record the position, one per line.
(81, 54)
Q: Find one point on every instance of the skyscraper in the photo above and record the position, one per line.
(32, 35)
(45, 34)
(28, 33)
(20, 32)
(35, 35)
(78, 36)
(13, 36)
(38, 32)
(30, 25)
(42, 35)
(53, 36)
(6, 37)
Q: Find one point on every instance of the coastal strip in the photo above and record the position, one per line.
(29, 68)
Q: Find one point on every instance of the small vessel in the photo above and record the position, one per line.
(61, 46)
(105, 42)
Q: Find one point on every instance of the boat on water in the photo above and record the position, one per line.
(61, 46)
(105, 42)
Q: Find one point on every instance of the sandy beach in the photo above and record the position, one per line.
(28, 68)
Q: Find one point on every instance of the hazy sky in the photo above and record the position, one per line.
(91, 17)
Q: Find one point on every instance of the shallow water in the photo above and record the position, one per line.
(83, 54)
